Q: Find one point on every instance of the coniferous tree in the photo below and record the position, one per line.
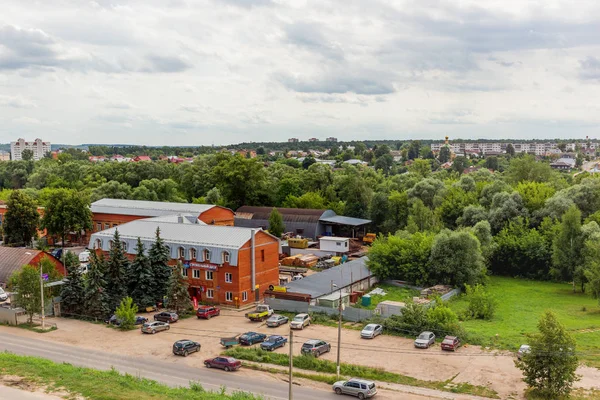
(276, 226)
(178, 297)
(73, 291)
(96, 298)
(141, 278)
(116, 269)
(159, 256)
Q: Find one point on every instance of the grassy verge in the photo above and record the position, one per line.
(103, 385)
(34, 327)
(521, 303)
(357, 371)
(393, 293)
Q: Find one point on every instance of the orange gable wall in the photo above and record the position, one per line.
(112, 219)
(217, 216)
(59, 266)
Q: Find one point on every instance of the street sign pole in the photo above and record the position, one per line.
(42, 297)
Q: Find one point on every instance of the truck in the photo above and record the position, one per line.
(262, 312)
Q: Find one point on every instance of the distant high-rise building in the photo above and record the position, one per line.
(38, 147)
(293, 140)
(331, 139)
(313, 139)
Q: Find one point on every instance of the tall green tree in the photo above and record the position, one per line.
(421, 218)
(178, 297)
(397, 211)
(276, 226)
(126, 314)
(378, 211)
(96, 298)
(26, 284)
(591, 254)
(549, 368)
(116, 269)
(414, 149)
(27, 155)
(21, 219)
(73, 291)
(456, 259)
(66, 211)
(567, 246)
(141, 278)
(460, 163)
(444, 155)
(159, 256)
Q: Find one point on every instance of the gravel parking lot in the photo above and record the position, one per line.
(469, 364)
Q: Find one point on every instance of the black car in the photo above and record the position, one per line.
(166, 316)
(113, 320)
(185, 347)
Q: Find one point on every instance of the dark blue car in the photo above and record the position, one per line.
(250, 338)
(273, 342)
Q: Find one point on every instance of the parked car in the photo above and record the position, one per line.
(356, 387)
(3, 295)
(156, 326)
(273, 342)
(524, 349)
(277, 320)
(250, 338)
(226, 363)
(207, 312)
(185, 347)
(166, 316)
(451, 343)
(113, 320)
(424, 340)
(84, 256)
(315, 347)
(371, 330)
(262, 312)
(300, 321)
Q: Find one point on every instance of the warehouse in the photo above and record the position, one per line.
(217, 260)
(12, 259)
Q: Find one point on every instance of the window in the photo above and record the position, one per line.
(209, 275)
(228, 277)
(338, 243)
(115, 225)
(299, 231)
(192, 254)
(262, 255)
(244, 296)
(225, 257)
(106, 225)
(98, 226)
(345, 244)
(98, 243)
(184, 271)
(124, 245)
(110, 244)
(228, 296)
(180, 252)
(206, 255)
(210, 293)
(196, 274)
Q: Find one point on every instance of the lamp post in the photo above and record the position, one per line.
(339, 341)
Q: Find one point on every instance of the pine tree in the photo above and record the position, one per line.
(159, 256)
(178, 297)
(276, 226)
(73, 291)
(116, 269)
(96, 298)
(141, 278)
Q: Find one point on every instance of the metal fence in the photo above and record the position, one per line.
(349, 313)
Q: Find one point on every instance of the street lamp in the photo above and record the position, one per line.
(339, 344)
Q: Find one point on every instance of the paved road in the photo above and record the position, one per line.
(172, 374)
(17, 394)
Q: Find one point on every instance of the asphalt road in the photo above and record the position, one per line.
(172, 374)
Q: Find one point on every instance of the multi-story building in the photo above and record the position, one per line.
(223, 264)
(331, 139)
(38, 147)
(313, 139)
(293, 140)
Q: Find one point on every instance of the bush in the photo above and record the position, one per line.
(481, 304)
(415, 318)
(126, 314)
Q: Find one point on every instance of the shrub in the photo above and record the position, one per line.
(126, 314)
(481, 303)
(415, 318)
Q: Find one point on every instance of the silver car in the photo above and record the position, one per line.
(276, 320)
(3, 295)
(424, 340)
(300, 321)
(371, 330)
(356, 387)
(155, 326)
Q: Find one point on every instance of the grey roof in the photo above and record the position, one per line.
(341, 220)
(343, 275)
(565, 161)
(179, 218)
(146, 208)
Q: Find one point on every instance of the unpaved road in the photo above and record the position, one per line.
(469, 364)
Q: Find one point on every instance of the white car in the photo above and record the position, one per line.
(371, 330)
(300, 321)
(3, 295)
(84, 256)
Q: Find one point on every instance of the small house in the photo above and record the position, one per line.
(334, 244)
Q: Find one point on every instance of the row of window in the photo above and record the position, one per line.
(210, 294)
(106, 226)
(208, 275)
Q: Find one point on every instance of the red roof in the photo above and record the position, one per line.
(142, 158)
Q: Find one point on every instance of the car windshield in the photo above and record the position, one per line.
(271, 339)
(299, 319)
(371, 386)
(2, 291)
(424, 336)
(369, 328)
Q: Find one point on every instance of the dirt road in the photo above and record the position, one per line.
(469, 364)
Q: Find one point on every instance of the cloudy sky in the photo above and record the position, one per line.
(177, 72)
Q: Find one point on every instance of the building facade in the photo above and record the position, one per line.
(12, 259)
(38, 147)
(217, 260)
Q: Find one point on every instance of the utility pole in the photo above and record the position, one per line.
(42, 296)
(339, 344)
(291, 355)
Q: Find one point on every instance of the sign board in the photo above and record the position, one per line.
(200, 265)
(279, 289)
(45, 277)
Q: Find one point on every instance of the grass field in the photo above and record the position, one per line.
(520, 305)
(102, 385)
(393, 293)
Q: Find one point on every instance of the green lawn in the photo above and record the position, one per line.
(520, 305)
(394, 293)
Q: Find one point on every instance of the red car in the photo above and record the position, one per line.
(225, 363)
(207, 312)
(451, 343)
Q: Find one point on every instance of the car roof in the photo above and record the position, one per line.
(204, 307)
(250, 333)
(183, 341)
(301, 315)
(275, 336)
(450, 338)
(313, 341)
(360, 381)
(427, 332)
(373, 325)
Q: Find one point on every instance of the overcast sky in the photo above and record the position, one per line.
(195, 72)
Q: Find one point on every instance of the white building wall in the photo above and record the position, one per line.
(38, 147)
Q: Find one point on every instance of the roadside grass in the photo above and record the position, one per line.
(103, 385)
(358, 371)
(33, 327)
(393, 293)
(520, 305)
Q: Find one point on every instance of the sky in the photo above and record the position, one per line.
(204, 72)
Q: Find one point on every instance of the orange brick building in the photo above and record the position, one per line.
(108, 213)
(12, 259)
(217, 259)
